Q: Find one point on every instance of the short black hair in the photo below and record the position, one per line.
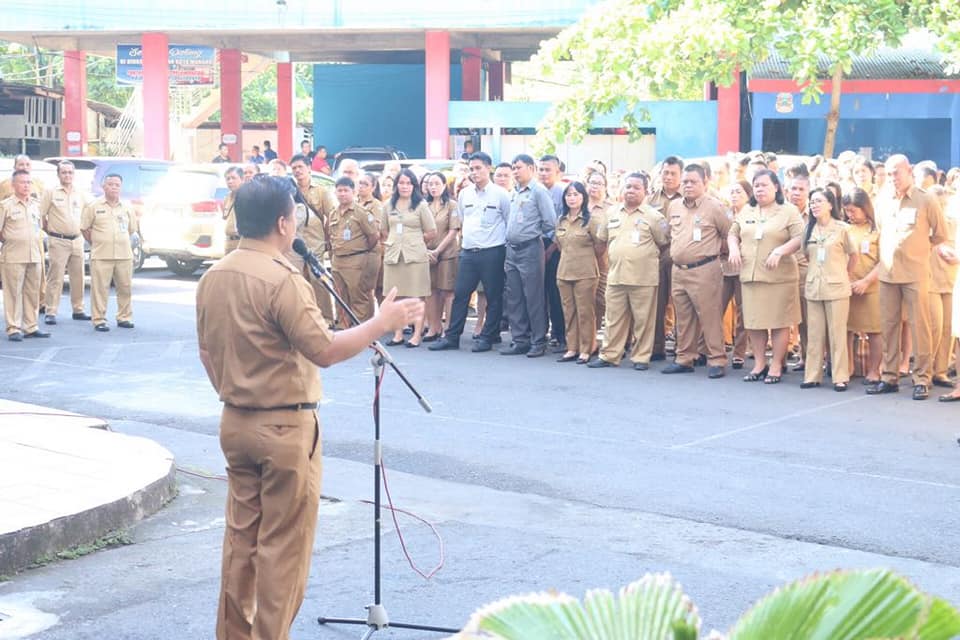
(23, 172)
(266, 143)
(776, 183)
(299, 158)
(672, 160)
(112, 175)
(345, 182)
(505, 165)
(525, 158)
(260, 202)
(799, 170)
(482, 157)
(697, 169)
(551, 158)
(235, 170)
(223, 145)
(639, 175)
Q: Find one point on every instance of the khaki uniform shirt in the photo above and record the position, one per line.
(760, 232)
(827, 257)
(943, 275)
(20, 231)
(698, 229)
(660, 201)
(578, 246)
(110, 228)
(230, 216)
(406, 228)
(313, 223)
(725, 267)
(867, 243)
(353, 230)
(259, 329)
(446, 217)
(908, 227)
(634, 240)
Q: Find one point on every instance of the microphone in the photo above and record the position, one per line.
(308, 256)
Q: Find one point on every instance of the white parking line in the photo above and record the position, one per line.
(40, 363)
(107, 356)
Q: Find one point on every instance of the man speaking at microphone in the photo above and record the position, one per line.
(261, 337)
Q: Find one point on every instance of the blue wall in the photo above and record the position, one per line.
(923, 126)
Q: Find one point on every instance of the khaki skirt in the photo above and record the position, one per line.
(865, 313)
(412, 279)
(770, 306)
(443, 275)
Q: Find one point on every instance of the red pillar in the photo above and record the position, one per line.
(497, 72)
(156, 96)
(285, 110)
(231, 103)
(728, 116)
(74, 128)
(471, 60)
(437, 82)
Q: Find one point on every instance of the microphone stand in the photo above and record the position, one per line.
(377, 617)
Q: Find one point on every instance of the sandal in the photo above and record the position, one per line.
(772, 380)
(754, 377)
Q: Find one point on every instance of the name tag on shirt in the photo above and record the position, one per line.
(758, 233)
(399, 227)
(347, 235)
(907, 216)
(122, 222)
(613, 224)
(635, 236)
(821, 254)
(697, 234)
(864, 246)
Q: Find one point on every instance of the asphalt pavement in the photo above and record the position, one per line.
(535, 474)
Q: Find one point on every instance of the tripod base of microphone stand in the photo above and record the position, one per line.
(377, 619)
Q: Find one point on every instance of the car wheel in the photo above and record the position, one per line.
(137, 246)
(183, 267)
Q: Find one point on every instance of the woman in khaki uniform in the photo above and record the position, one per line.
(598, 204)
(831, 255)
(410, 226)
(581, 251)
(864, 317)
(739, 193)
(762, 241)
(368, 195)
(943, 275)
(954, 212)
(443, 252)
(234, 179)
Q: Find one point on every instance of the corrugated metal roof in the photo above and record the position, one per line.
(885, 64)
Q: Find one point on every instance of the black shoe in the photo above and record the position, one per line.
(949, 398)
(432, 338)
(658, 356)
(497, 340)
(37, 334)
(737, 363)
(560, 348)
(394, 343)
(50, 320)
(676, 367)
(408, 331)
(940, 381)
(883, 387)
(102, 327)
(809, 385)
(42, 309)
(16, 336)
(410, 345)
(445, 344)
(701, 361)
(716, 372)
(921, 392)
(125, 324)
(537, 352)
(840, 386)
(567, 358)
(515, 350)
(639, 366)
(600, 363)
(80, 316)
(481, 346)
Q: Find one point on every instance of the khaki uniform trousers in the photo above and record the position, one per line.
(802, 327)
(665, 313)
(355, 277)
(62, 259)
(697, 297)
(273, 490)
(579, 299)
(21, 295)
(941, 330)
(731, 291)
(827, 319)
(912, 297)
(102, 272)
(42, 288)
(625, 305)
(601, 301)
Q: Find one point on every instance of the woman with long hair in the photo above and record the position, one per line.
(369, 197)
(762, 241)
(831, 255)
(443, 252)
(864, 317)
(739, 193)
(406, 265)
(578, 272)
(598, 203)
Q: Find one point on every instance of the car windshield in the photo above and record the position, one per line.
(186, 186)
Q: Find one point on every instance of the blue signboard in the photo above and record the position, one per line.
(189, 65)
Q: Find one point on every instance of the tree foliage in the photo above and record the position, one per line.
(626, 51)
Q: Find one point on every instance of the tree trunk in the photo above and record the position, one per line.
(833, 118)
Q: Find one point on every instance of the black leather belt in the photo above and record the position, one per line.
(478, 249)
(350, 255)
(303, 406)
(60, 236)
(516, 246)
(694, 265)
